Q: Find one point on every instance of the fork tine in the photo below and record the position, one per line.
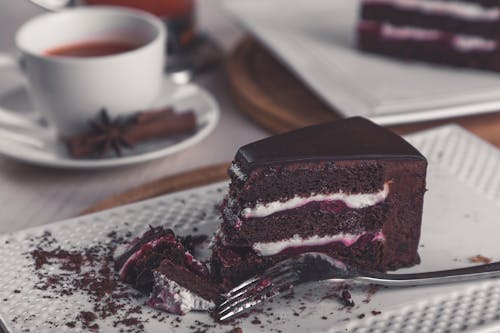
(244, 301)
(253, 286)
(257, 288)
(311, 266)
(242, 307)
(242, 285)
(236, 305)
(232, 298)
(246, 307)
(248, 284)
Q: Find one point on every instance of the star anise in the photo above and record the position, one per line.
(109, 134)
(114, 134)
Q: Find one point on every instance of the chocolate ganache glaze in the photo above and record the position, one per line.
(349, 139)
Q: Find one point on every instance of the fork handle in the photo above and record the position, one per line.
(436, 277)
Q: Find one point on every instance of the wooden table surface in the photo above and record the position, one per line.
(270, 95)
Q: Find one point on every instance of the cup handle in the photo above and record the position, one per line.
(7, 117)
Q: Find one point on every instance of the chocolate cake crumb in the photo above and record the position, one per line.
(130, 322)
(87, 316)
(256, 321)
(17, 291)
(376, 313)
(236, 330)
(345, 297)
(87, 319)
(88, 271)
(324, 318)
(372, 290)
(361, 316)
(479, 259)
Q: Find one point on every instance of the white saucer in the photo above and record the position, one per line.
(181, 97)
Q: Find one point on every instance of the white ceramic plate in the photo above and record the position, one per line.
(187, 97)
(316, 39)
(460, 220)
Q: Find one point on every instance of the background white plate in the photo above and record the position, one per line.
(316, 39)
(187, 97)
(460, 220)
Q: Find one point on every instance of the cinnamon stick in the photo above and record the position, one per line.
(140, 127)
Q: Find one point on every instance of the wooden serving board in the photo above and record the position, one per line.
(268, 93)
(273, 97)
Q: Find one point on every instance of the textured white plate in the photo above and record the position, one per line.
(316, 39)
(182, 97)
(460, 220)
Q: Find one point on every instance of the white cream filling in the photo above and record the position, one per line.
(459, 42)
(237, 172)
(175, 297)
(464, 43)
(355, 201)
(458, 9)
(272, 248)
(334, 262)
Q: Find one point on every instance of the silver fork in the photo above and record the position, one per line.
(313, 266)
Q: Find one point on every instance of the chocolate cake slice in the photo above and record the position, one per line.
(159, 262)
(348, 188)
(136, 261)
(460, 33)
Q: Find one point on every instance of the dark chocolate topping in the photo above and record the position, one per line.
(348, 139)
(151, 234)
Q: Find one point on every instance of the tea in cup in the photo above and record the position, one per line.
(82, 60)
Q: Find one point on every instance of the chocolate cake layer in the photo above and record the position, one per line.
(402, 176)
(231, 265)
(281, 182)
(329, 219)
(137, 270)
(484, 3)
(121, 255)
(478, 20)
(325, 158)
(196, 281)
(433, 47)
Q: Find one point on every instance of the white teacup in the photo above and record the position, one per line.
(68, 90)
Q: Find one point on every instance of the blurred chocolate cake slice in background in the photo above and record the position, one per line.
(460, 33)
